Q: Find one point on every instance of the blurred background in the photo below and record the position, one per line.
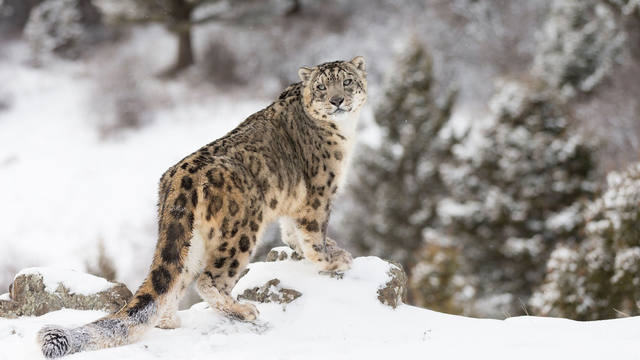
(498, 158)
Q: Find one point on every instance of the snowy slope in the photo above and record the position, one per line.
(65, 190)
(342, 319)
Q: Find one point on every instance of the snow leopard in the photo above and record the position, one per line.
(285, 162)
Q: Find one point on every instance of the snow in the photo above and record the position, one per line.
(70, 190)
(5, 296)
(577, 46)
(53, 24)
(631, 6)
(451, 208)
(77, 282)
(518, 246)
(565, 219)
(366, 274)
(342, 319)
(626, 262)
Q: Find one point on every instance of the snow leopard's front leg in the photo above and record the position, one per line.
(290, 234)
(312, 230)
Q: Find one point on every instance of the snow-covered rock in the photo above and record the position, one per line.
(282, 253)
(270, 292)
(37, 291)
(394, 292)
(280, 279)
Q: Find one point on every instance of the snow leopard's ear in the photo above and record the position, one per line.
(358, 62)
(305, 74)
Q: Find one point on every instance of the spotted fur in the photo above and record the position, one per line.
(283, 162)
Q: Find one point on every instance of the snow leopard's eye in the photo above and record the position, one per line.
(321, 87)
(347, 82)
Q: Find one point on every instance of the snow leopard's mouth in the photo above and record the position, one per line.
(339, 111)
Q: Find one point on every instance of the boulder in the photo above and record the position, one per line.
(270, 292)
(37, 291)
(394, 292)
(285, 277)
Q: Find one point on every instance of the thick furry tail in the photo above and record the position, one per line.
(57, 342)
(123, 327)
(156, 293)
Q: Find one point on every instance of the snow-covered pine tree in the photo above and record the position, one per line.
(600, 277)
(437, 280)
(64, 27)
(14, 15)
(577, 45)
(397, 183)
(516, 194)
(627, 7)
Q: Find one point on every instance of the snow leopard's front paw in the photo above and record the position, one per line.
(337, 259)
(243, 311)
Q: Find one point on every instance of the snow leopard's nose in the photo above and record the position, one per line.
(336, 100)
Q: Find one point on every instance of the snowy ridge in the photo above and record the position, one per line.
(342, 319)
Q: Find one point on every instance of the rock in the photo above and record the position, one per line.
(388, 281)
(270, 292)
(37, 291)
(394, 292)
(281, 253)
(332, 274)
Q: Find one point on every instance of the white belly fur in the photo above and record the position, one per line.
(347, 125)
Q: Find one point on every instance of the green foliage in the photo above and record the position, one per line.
(518, 192)
(399, 180)
(436, 281)
(600, 277)
(400, 184)
(578, 45)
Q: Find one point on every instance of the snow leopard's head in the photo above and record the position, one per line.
(334, 89)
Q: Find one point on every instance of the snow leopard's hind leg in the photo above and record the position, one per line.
(229, 247)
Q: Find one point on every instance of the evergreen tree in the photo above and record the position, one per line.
(437, 279)
(627, 7)
(516, 193)
(14, 15)
(577, 45)
(600, 277)
(64, 27)
(399, 180)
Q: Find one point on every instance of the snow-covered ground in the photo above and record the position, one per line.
(342, 319)
(64, 189)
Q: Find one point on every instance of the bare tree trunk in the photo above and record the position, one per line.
(294, 8)
(181, 15)
(185, 50)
